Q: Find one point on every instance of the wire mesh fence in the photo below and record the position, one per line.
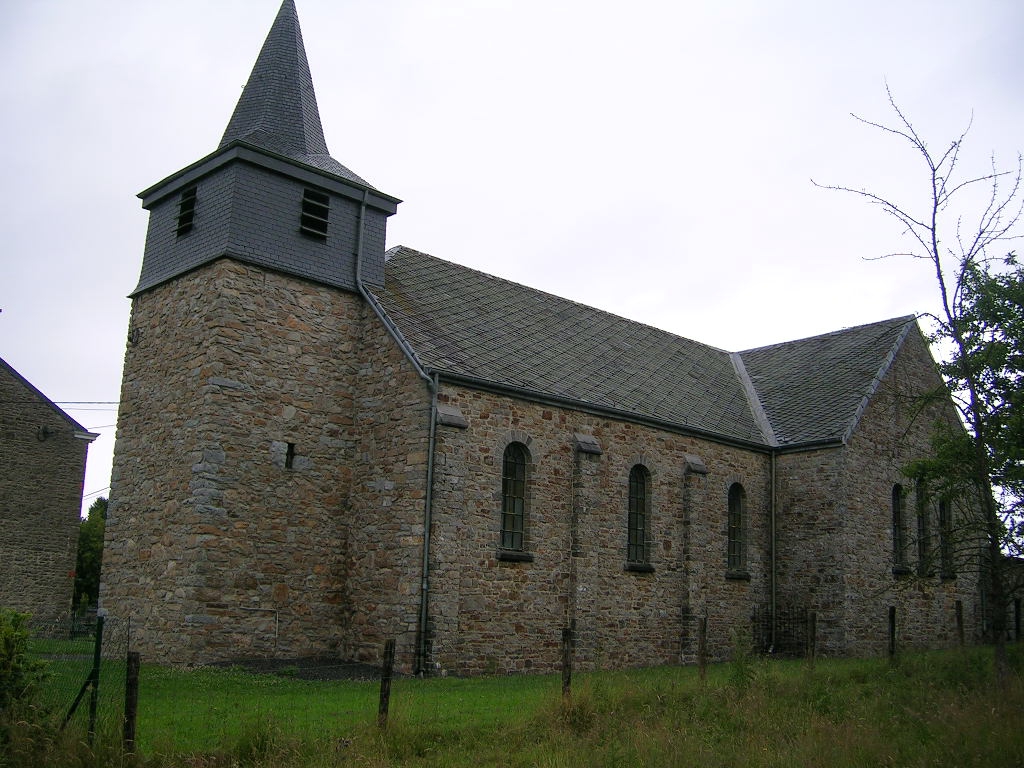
(207, 707)
(786, 634)
(85, 663)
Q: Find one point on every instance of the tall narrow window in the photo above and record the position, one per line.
(513, 498)
(639, 514)
(315, 208)
(946, 540)
(923, 529)
(899, 544)
(186, 211)
(737, 558)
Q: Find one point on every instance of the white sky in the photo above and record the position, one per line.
(650, 158)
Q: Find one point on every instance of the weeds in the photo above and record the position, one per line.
(931, 709)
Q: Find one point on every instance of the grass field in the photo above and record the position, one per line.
(934, 709)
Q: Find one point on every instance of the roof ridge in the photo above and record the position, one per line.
(902, 319)
(876, 381)
(756, 406)
(47, 401)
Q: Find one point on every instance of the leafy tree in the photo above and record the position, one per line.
(960, 231)
(20, 674)
(90, 555)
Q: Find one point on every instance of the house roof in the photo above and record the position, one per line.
(277, 110)
(470, 325)
(77, 429)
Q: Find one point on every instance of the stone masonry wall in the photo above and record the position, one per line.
(226, 533)
(494, 615)
(392, 408)
(40, 502)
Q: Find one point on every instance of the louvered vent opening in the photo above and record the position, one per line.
(186, 211)
(315, 207)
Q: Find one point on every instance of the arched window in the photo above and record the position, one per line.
(924, 565)
(899, 544)
(737, 538)
(946, 540)
(639, 515)
(513, 498)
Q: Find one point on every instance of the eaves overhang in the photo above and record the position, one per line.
(544, 398)
(242, 151)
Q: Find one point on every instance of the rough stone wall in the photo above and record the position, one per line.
(228, 513)
(810, 521)
(494, 615)
(392, 409)
(40, 502)
(835, 535)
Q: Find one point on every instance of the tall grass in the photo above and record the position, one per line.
(934, 709)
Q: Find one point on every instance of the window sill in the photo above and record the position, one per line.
(736, 574)
(901, 570)
(513, 556)
(639, 567)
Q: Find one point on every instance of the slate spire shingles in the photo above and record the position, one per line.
(278, 110)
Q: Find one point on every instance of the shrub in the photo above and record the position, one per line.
(19, 674)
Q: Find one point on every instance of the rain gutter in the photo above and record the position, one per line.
(407, 350)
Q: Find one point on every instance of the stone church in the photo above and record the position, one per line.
(323, 444)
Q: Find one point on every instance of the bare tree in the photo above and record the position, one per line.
(963, 231)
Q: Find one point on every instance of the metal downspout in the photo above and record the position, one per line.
(421, 625)
(773, 574)
(432, 384)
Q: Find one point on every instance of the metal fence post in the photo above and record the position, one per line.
(131, 700)
(97, 660)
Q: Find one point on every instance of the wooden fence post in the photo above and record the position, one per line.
(892, 632)
(702, 647)
(812, 636)
(960, 622)
(567, 655)
(131, 700)
(385, 683)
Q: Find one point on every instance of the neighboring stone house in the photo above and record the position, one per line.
(43, 452)
(322, 444)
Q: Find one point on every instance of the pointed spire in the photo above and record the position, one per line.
(277, 110)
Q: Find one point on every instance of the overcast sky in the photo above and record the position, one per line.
(653, 159)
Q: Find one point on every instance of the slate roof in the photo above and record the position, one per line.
(470, 325)
(277, 109)
(814, 389)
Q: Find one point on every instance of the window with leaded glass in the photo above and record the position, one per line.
(513, 498)
(737, 541)
(946, 539)
(639, 514)
(899, 543)
(923, 530)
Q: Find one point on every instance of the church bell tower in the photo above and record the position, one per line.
(234, 444)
